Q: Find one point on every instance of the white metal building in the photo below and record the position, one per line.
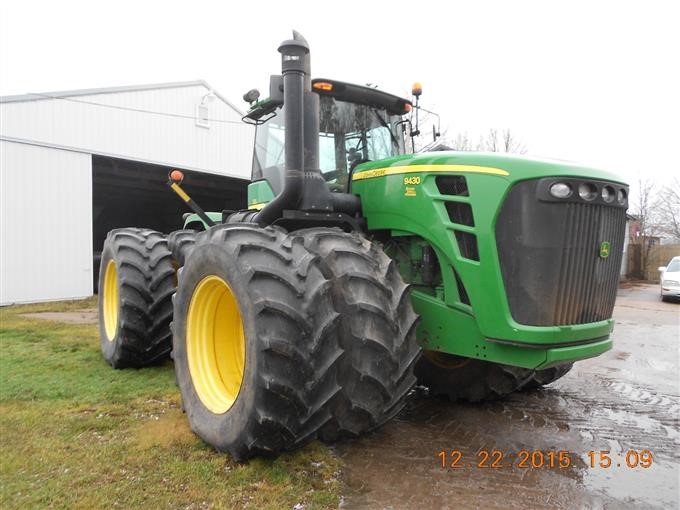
(74, 165)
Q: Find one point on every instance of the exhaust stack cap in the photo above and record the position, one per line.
(293, 52)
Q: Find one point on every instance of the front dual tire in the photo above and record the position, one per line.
(280, 338)
(255, 341)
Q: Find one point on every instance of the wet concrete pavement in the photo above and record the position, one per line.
(627, 400)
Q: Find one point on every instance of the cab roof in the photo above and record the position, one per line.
(360, 94)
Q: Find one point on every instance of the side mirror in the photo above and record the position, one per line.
(265, 109)
(662, 269)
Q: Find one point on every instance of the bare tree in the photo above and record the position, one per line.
(504, 141)
(649, 225)
(668, 208)
(512, 144)
(461, 143)
(493, 141)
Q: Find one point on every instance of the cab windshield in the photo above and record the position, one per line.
(349, 134)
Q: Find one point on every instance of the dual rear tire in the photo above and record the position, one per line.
(137, 280)
(136, 284)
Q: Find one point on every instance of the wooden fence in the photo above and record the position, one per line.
(658, 256)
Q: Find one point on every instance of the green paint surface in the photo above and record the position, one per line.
(259, 192)
(194, 220)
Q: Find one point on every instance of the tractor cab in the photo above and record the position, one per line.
(357, 124)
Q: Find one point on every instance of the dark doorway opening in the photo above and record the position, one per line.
(132, 194)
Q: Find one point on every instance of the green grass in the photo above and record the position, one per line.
(74, 433)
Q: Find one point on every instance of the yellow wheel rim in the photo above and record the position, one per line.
(216, 346)
(110, 307)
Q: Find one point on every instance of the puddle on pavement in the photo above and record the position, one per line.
(628, 399)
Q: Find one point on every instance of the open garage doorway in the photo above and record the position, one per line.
(133, 194)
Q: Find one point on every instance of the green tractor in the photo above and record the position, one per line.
(359, 270)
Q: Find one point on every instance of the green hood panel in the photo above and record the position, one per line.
(518, 167)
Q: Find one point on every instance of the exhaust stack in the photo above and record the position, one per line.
(304, 187)
(294, 53)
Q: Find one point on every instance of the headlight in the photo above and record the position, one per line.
(560, 190)
(670, 283)
(587, 191)
(608, 194)
(622, 196)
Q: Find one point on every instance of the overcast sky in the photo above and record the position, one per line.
(595, 82)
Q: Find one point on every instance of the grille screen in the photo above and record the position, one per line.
(460, 213)
(452, 185)
(551, 258)
(467, 244)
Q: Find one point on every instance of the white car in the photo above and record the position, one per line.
(670, 280)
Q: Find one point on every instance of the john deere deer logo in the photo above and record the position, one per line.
(604, 249)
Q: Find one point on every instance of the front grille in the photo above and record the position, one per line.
(550, 255)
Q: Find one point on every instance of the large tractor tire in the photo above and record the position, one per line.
(378, 334)
(255, 341)
(180, 243)
(469, 379)
(548, 376)
(136, 283)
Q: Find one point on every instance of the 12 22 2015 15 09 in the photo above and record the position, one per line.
(539, 459)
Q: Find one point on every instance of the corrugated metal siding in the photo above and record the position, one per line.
(118, 130)
(45, 225)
